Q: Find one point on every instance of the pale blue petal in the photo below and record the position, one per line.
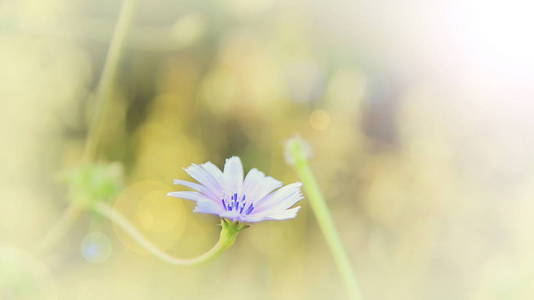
(257, 185)
(195, 186)
(272, 215)
(281, 199)
(252, 179)
(268, 185)
(199, 188)
(208, 207)
(206, 178)
(214, 171)
(288, 202)
(204, 204)
(284, 214)
(194, 196)
(233, 175)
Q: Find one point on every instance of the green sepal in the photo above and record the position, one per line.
(229, 232)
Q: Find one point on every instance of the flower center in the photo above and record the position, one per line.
(238, 204)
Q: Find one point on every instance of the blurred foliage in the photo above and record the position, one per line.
(94, 182)
(21, 277)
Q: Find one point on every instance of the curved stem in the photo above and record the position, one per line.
(61, 227)
(226, 238)
(324, 218)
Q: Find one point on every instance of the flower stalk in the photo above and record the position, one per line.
(60, 228)
(227, 237)
(107, 77)
(298, 157)
(103, 89)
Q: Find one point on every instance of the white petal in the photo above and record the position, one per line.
(233, 175)
(204, 204)
(257, 185)
(252, 179)
(208, 207)
(272, 215)
(281, 199)
(214, 171)
(189, 184)
(199, 188)
(195, 196)
(284, 214)
(207, 179)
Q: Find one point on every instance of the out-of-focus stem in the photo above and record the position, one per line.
(61, 227)
(107, 78)
(227, 238)
(103, 90)
(324, 218)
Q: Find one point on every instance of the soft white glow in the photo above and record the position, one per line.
(494, 36)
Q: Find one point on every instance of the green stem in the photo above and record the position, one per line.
(103, 89)
(227, 238)
(108, 77)
(60, 228)
(324, 218)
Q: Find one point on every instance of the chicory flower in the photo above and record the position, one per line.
(254, 198)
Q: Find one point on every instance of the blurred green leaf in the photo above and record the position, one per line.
(91, 183)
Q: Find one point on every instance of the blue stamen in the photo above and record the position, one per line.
(250, 209)
(237, 205)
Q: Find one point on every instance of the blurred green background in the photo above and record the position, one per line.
(419, 114)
